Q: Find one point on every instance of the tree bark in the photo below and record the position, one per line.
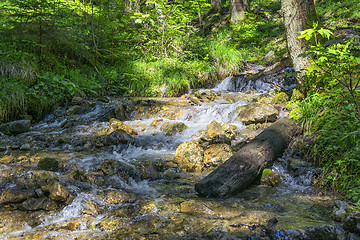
(238, 9)
(298, 16)
(245, 166)
(215, 6)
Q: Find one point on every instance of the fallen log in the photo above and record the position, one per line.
(246, 165)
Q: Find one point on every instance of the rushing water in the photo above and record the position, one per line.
(164, 205)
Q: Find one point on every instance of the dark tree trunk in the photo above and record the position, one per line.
(298, 16)
(245, 166)
(238, 9)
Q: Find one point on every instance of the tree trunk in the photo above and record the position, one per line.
(238, 9)
(298, 16)
(215, 6)
(245, 166)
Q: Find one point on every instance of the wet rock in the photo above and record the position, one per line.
(119, 125)
(206, 140)
(25, 147)
(189, 156)
(76, 100)
(15, 195)
(205, 94)
(270, 178)
(352, 222)
(73, 110)
(56, 190)
(233, 98)
(245, 166)
(216, 154)
(116, 137)
(156, 122)
(91, 208)
(173, 128)
(257, 113)
(323, 233)
(36, 204)
(219, 128)
(123, 169)
(116, 197)
(48, 164)
(258, 126)
(15, 127)
(298, 167)
(35, 179)
(120, 112)
(171, 174)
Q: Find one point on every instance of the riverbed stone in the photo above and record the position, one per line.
(216, 154)
(257, 113)
(25, 147)
(352, 222)
(116, 124)
(205, 94)
(123, 169)
(173, 128)
(219, 128)
(48, 164)
(35, 179)
(116, 137)
(56, 190)
(15, 195)
(157, 122)
(36, 204)
(76, 100)
(15, 127)
(341, 210)
(120, 112)
(73, 110)
(189, 156)
(117, 197)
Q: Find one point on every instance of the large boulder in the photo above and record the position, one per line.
(15, 127)
(257, 113)
(189, 156)
(245, 166)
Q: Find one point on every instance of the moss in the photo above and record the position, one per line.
(296, 96)
(266, 172)
(281, 97)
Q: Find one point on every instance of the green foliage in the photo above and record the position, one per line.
(331, 110)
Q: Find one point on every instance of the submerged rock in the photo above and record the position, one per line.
(48, 164)
(15, 127)
(36, 204)
(15, 196)
(173, 128)
(257, 113)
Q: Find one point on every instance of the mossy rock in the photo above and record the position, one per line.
(296, 96)
(48, 164)
(281, 98)
(270, 178)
